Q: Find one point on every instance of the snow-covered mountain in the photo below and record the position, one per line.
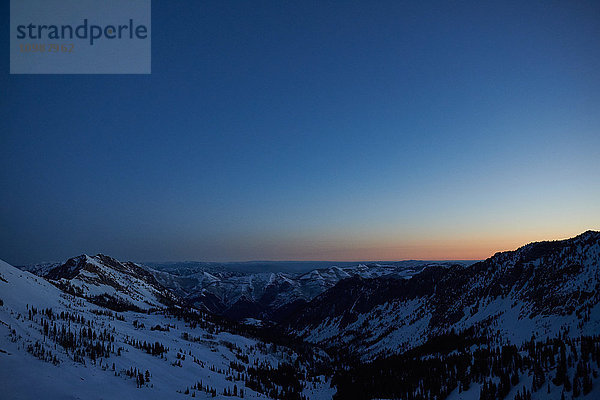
(56, 345)
(536, 290)
(102, 279)
(520, 325)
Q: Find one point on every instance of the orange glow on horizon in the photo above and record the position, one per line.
(467, 247)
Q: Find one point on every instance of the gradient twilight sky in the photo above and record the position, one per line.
(312, 130)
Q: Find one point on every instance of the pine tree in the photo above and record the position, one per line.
(576, 387)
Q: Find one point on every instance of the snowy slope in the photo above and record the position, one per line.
(201, 351)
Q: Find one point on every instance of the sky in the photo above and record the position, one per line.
(312, 130)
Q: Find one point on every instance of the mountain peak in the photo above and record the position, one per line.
(104, 277)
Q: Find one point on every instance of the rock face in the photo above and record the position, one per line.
(534, 290)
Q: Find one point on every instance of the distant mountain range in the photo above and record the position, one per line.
(290, 267)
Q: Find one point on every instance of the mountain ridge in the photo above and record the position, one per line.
(458, 297)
